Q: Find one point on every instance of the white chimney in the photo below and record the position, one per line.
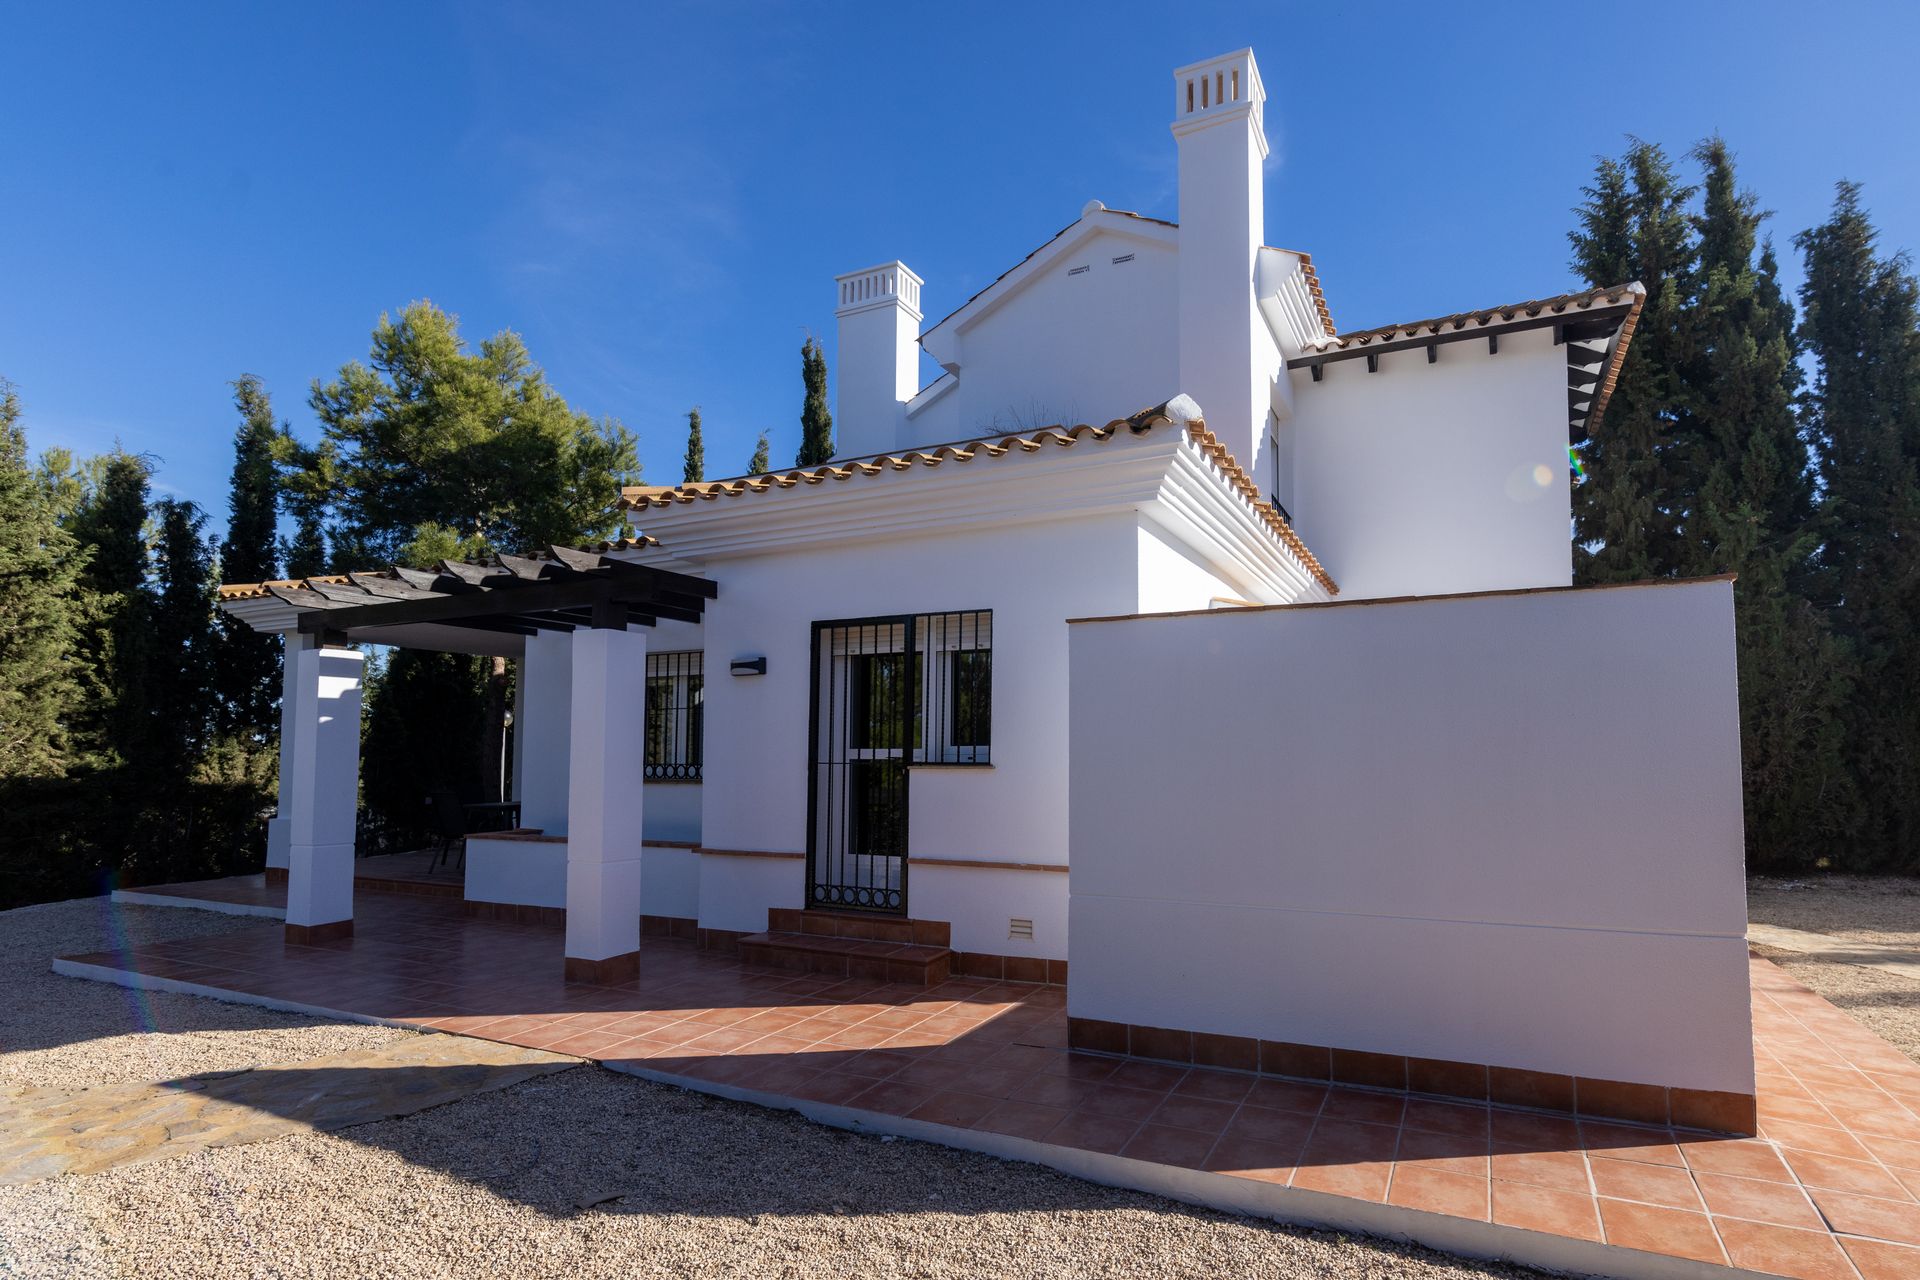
(879, 357)
(1224, 351)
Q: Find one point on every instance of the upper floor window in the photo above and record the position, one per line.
(675, 696)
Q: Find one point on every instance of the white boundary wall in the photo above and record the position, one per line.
(1495, 829)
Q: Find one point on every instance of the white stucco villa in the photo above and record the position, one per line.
(878, 717)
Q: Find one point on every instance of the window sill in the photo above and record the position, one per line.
(672, 782)
(950, 764)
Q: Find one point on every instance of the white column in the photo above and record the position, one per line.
(542, 731)
(519, 730)
(606, 772)
(280, 825)
(324, 722)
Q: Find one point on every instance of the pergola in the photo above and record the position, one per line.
(586, 609)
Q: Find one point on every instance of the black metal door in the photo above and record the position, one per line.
(864, 731)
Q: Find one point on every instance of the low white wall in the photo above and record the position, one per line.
(735, 892)
(532, 873)
(981, 902)
(1500, 829)
(671, 811)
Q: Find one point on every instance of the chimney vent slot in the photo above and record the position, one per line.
(1079, 271)
(1125, 257)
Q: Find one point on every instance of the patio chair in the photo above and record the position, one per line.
(449, 826)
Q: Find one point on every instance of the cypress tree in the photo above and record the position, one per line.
(759, 464)
(1738, 383)
(114, 647)
(246, 665)
(1860, 321)
(180, 619)
(816, 422)
(39, 571)
(694, 470)
(1630, 512)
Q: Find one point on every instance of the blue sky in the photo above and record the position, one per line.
(658, 197)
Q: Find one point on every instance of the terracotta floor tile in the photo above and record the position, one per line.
(1021, 1119)
(1263, 1124)
(1148, 1075)
(834, 1088)
(1445, 1117)
(1896, 1220)
(1739, 1157)
(1288, 1095)
(1337, 1142)
(1118, 1100)
(958, 1109)
(1816, 1138)
(1560, 1213)
(1220, 1085)
(1518, 1130)
(1436, 1191)
(1879, 1260)
(1861, 1177)
(1252, 1158)
(1650, 1183)
(1653, 1229)
(894, 1097)
(1360, 1180)
(1447, 1152)
(1782, 1204)
(1559, 1170)
(1630, 1142)
(1204, 1114)
(1093, 1131)
(1364, 1106)
(1784, 1251)
(1163, 1144)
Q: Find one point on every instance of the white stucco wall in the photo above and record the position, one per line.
(1033, 577)
(529, 872)
(1502, 829)
(1429, 479)
(1172, 577)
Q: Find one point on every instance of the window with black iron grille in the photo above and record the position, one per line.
(674, 717)
(888, 694)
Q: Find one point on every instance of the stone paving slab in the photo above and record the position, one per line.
(48, 1132)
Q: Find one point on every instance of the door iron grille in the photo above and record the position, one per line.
(866, 687)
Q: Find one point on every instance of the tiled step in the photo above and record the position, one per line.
(862, 925)
(881, 961)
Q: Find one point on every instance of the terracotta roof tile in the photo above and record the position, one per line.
(262, 590)
(1583, 301)
(1313, 287)
(665, 496)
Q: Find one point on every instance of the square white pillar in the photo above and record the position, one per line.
(542, 734)
(280, 825)
(606, 772)
(323, 718)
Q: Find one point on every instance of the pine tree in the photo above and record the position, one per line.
(816, 422)
(1860, 320)
(246, 665)
(758, 465)
(694, 470)
(179, 684)
(114, 649)
(1630, 513)
(39, 571)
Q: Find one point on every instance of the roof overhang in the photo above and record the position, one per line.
(485, 607)
(1594, 327)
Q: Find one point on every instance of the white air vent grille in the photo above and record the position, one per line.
(1020, 929)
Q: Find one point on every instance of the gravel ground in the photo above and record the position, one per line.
(580, 1174)
(66, 1033)
(1881, 909)
(589, 1173)
(1858, 908)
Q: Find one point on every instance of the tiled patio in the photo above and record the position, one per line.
(1828, 1189)
(410, 872)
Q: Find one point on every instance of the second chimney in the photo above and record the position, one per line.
(879, 356)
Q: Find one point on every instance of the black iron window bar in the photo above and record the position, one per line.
(675, 717)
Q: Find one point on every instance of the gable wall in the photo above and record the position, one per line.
(1068, 349)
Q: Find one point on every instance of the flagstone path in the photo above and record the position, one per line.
(46, 1132)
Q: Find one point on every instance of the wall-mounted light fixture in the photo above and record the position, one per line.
(749, 666)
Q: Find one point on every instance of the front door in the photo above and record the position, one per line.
(865, 728)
